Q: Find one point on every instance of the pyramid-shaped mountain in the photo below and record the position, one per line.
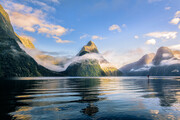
(89, 62)
(89, 48)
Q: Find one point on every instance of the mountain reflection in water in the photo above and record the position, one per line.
(90, 98)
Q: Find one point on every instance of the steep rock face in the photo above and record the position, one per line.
(26, 42)
(5, 25)
(14, 62)
(145, 60)
(163, 53)
(89, 48)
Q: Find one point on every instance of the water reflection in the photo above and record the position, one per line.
(90, 109)
(165, 89)
(8, 90)
(90, 98)
(87, 89)
(89, 93)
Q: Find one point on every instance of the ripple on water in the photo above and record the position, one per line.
(91, 98)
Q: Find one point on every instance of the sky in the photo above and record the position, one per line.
(123, 30)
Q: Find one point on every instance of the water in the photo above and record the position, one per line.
(90, 98)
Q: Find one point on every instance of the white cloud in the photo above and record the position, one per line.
(175, 47)
(177, 14)
(150, 1)
(170, 62)
(136, 37)
(50, 29)
(29, 22)
(25, 21)
(33, 20)
(43, 5)
(151, 42)
(59, 40)
(120, 59)
(175, 21)
(17, 7)
(55, 1)
(45, 60)
(167, 8)
(166, 55)
(84, 36)
(162, 35)
(124, 25)
(93, 37)
(96, 37)
(115, 27)
(144, 68)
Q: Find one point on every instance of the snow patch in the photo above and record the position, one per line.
(170, 61)
(175, 70)
(166, 55)
(144, 68)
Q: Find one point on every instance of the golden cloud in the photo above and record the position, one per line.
(33, 20)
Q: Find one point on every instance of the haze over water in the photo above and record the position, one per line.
(90, 98)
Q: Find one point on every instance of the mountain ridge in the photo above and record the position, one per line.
(146, 59)
(164, 63)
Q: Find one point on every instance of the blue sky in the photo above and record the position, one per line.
(119, 28)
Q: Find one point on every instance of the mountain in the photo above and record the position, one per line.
(145, 60)
(5, 25)
(89, 48)
(85, 68)
(163, 53)
(14, 62)
(89, 62)
(165, 62)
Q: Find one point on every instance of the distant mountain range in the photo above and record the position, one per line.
(165, 62)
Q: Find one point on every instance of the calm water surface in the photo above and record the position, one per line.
(90, 98)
